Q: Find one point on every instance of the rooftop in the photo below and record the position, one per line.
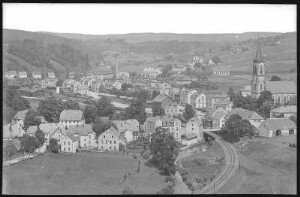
(71, 115)
(279, 123)
(286, 109)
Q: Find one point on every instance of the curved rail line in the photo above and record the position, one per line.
(230, 168)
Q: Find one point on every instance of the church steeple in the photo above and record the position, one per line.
(258, 82)
(259, 56)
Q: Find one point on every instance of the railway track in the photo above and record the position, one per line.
(230, 168)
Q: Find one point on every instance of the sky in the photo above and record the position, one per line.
(156, 18)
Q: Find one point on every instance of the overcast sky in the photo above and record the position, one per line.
(136, 18)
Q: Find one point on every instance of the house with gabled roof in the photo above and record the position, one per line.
(129, 124)
(150, 124)
(85, 134)
(51, 75)
(287, 111)
(71, 117)
(11, 131)
(19, 118)
(194, 126)
(59, 134)
(11, 74)
(276, 127)
(47, 128)
(173, 125)
(69, 143)
(163, 101)
(109, 140)
(22, 74)
(36, 75)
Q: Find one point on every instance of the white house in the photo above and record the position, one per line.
(109, 140)
(129, 124)
(59, 134)
(22, 74)
(69, 143)
(174, 126)
(51, 75)
(85, 134)
(276, 127)
(47, 128)
(150, 124)
(194, 126)
(71, 117)
(200, 101)
(11, 131)
(19, 118)
(36, 75)
(129, 135)
(11, 74)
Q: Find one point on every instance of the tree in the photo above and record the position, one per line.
(216, 60)
(104, 107)
(235, 128)
(264, 96)
(247, 103)
(99, 127)
(293, 118)
(14, 102)
(127, 191)
(30, 119)
(157, 111)
(155, 93)
(164, 151)
(53, 145)
(143, 96)
(124, 87)
(132, 74)
(29, 144)
(136, 111)
(71, 105)
(188, 112)
(10, 149)
(275, 78)
(50, 108)
(40, 136)
(231, 94)
(90, 112)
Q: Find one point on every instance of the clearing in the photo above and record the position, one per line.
(268, 166)
(85, 173)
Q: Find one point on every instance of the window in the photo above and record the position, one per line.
(104, 136)
(101, 141)
(69, 148)
(101, 147)
(291, 132)
(115, 141)
(261, 87)
(69, 143)
(109, 147)
(112, 136)
(110, 142)
(64, 143)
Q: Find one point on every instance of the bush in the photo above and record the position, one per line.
(293, 145)
(53, 145)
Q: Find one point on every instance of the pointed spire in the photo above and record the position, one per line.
(258, 57)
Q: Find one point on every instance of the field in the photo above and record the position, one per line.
(268, 166)
(85, 173)
(199, 165)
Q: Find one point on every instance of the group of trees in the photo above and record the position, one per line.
(188, 112)
(235, 128)
(164, 151)
(13, 102)
(30, 143)
(262, 105)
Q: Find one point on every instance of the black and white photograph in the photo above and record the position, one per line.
(132, 99)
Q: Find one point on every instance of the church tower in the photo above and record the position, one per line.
(258, 83)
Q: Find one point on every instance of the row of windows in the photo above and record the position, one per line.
(114, 147)
(108, 141)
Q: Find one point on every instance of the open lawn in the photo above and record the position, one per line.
(85, 173)
(267, 166)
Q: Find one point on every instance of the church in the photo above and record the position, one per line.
(282, 91)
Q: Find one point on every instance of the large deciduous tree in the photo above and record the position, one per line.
(53, 145)
(71, 105)
(29, 144)
(90, 112)
(164, 151)
(40, 136)
(188, 112)
(136, 111)
(275, 78)
(30, 119)
(10, 150)
(50, 108)
(104, 107)
(100, 126)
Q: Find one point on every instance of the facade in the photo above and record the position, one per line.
(171, 111)
(221, 72)
(200, 101)
(71, 117)
(150, 124)
(129, 135)
(36, 75)
(59, 134)
(49, 82)
(47, 128)
(130, 124)
(85, 134)
(51, 75)
(218, 118)
(22, 74)
(69, 144)
(19, 118)
(276, 127)
(174, 126)
(151, 72)
(11, 131)
(109, 140)
(194, 126)
(163, 101)
(287, 111)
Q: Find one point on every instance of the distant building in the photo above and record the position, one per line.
(276, 127)
(36, 75)
(71, 117)
(51, 75)
(151, 72)
(11, 74)
(130, 124)
(174, 126)
(218, 117)
(49, 82)
(22, 74)
(194, 126)
(69, 143)
(11, 131)
(85, 134)
(19, 118)
(163, 101)
(221, 72)
(287, 111)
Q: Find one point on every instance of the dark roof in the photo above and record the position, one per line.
(279, 123)
(160, 98)
(80, 129)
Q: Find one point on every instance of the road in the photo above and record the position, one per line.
(230, 168)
